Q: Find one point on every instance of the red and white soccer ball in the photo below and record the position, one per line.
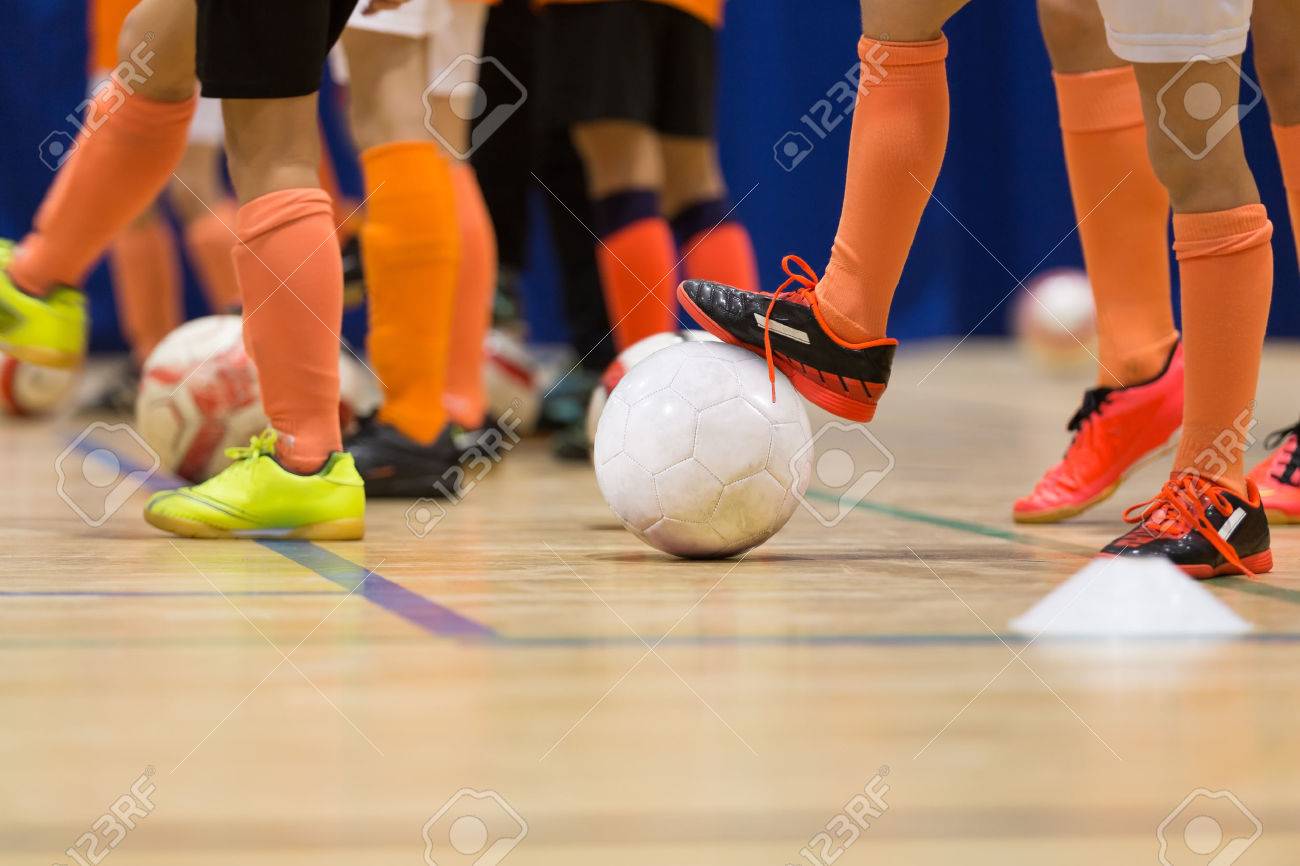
(512, 380)
(199, 396)
(694, 456)
(629, 358)
(1055, 321)
(28, 390)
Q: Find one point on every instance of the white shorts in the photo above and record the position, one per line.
(207, 126)
(455, 28)
(1176, 31)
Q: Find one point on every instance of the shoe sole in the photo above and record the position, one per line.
(1259, 563)
(1056, 515)
(832, 401)
(346, 529)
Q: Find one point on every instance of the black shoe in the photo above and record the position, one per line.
(117, 393)
(1204, 529)
(393, 465)
(845, 379)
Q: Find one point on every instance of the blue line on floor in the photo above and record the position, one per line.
(392, 597)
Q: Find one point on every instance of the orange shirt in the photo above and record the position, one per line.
(708, 11)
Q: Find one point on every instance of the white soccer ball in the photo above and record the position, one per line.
(513, 382)
(28, 390)
(1055, 321)
(198, 396)
(694, 456)
(629, 358)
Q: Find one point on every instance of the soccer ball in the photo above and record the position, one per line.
(199, 396)
(626, 360)
(694, 456)
(512, 382)
(1055, 321)
(27, 389)
(359, 392)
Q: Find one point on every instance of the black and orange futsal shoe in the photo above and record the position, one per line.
(1204, 529)
(787, 328)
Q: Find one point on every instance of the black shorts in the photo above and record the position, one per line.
(628, 60)
(266, 49)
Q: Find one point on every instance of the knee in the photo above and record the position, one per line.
(913, 21)
(162, 72)
(1075, 34)
(1218, 179)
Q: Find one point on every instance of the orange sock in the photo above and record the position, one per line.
(291, 275)
(1226, 265)
(411, 245)
(146, 284)
(466, 400)
(114, 173)
(715, 246)
(636, 262)
(900, 132)
(1288, 151)
(209, 240)
(1125, 222)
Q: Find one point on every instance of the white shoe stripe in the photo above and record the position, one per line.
(784, 330)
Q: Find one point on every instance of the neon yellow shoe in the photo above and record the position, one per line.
(49, 331)
(256, 497)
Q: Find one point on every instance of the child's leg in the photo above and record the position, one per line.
(1221, 235)
(1208, 519)
(289, 271)
(146, 283)
(1277, 62)
(410, 239)
(900, 132)
(1122, 207)
(119, 168)
(711, 240)
(636, 250)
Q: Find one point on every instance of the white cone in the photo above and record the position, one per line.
(1130, 597)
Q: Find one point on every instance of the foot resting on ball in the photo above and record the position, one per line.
(49, 331)
(256, 497)
(787, 327)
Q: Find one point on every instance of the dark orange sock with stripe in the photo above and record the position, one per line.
(1226, 265)
(411, 245)
(714, 246)
(1124, 222)
(1288, 151)
(291, 275)
(209, 240)
(466, 399)
(637, 265)
(114, 173)
(900, 133)
(146, 284)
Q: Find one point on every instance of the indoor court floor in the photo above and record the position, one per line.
(522, 681)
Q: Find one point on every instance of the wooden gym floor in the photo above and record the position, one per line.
(287, 703)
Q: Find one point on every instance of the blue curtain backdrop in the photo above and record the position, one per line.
(1004, 178)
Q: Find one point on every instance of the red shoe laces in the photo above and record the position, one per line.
(807, 282)
(1179, 506)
